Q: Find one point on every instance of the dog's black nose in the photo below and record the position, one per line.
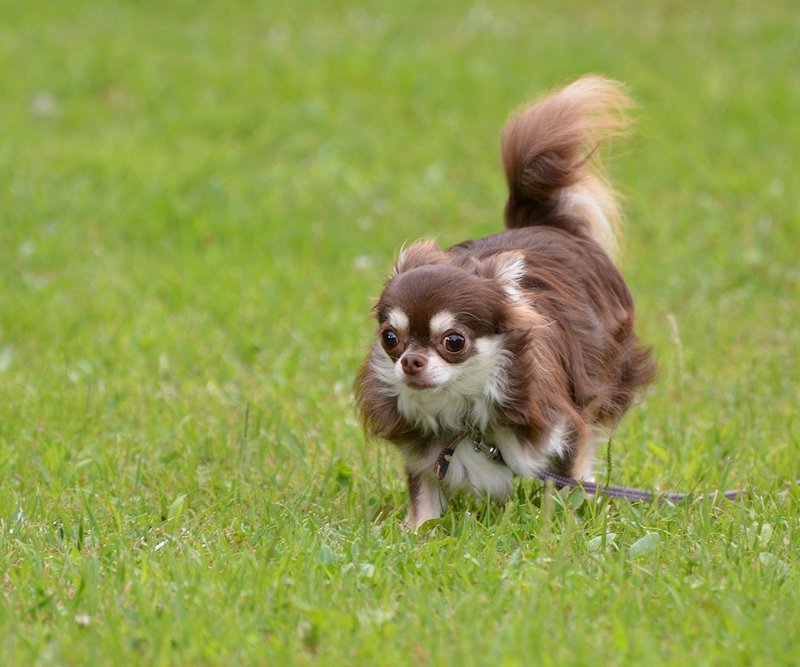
(413, 363)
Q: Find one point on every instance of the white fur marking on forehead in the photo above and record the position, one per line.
(398, 319)
(510, 271)
(442, 322)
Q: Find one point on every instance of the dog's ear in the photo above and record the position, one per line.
(421, 253)
(507, 269)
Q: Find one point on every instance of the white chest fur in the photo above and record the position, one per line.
(473, 470)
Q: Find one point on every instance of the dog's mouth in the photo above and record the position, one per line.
(418, 383)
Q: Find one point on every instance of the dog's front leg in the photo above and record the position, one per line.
(427, 499)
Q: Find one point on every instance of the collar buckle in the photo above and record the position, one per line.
(491, 452)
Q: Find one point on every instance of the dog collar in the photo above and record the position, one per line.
(490, 451)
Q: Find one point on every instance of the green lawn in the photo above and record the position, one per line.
(198, 202)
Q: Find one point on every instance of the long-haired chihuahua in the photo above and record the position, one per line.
(516, 352)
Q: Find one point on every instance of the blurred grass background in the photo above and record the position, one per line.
(198, 201)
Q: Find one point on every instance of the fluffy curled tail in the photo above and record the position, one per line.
(551, 161)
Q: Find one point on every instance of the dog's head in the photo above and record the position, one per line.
(436, 321)
(441, 355)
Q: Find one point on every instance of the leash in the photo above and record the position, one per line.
(630, 493)
(493, 453)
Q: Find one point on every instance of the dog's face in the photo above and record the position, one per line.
(435, 323)
(451, 343)
(440, 346)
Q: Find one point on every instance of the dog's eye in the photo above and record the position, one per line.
(454, 342)
(389, 339)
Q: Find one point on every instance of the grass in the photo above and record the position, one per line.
(198, 203)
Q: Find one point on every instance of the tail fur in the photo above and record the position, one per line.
(551, 161)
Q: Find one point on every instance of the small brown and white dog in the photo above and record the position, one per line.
(516, 352)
